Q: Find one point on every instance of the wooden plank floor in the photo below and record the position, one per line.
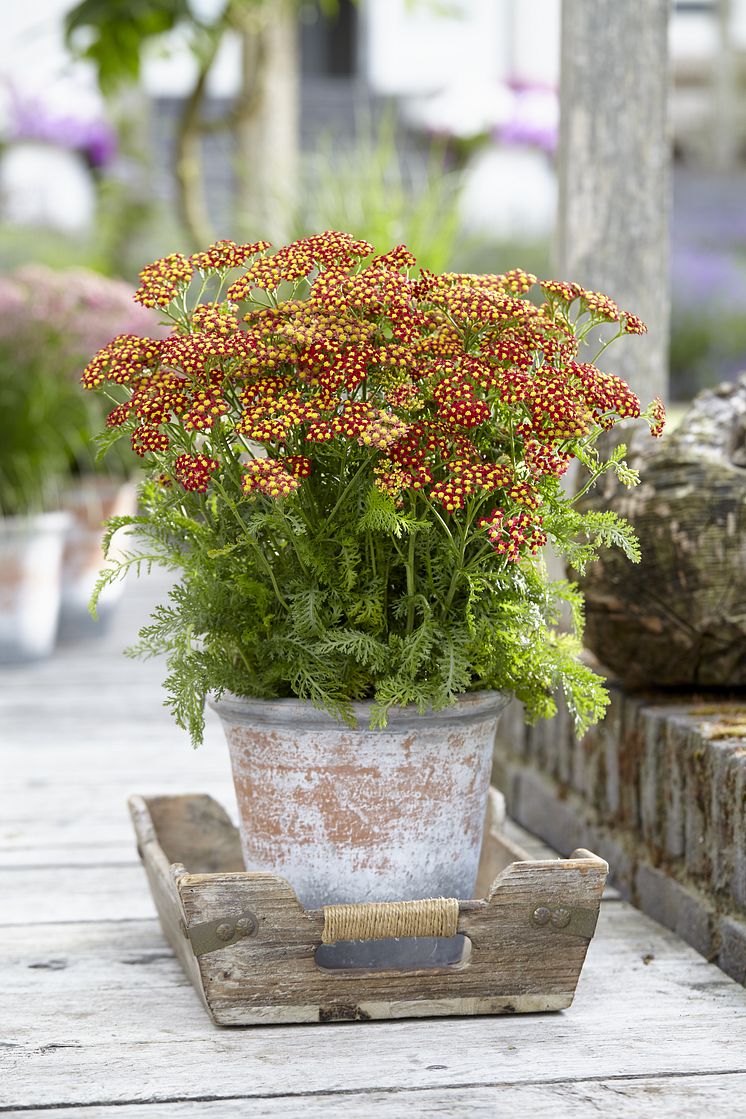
(97, 1019)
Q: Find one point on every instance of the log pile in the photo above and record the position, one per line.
(679, 617)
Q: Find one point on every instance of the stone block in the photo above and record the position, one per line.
(732, 958)
(726, 764)
(684, 910)
(609, 754)
(650, 812)
(621, 861)
(694, 752)
(738, 872)
(538, 808)
(672, 791)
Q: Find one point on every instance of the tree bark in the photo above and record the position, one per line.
(191, 198)
(679, 617)
(267, 125)
(614, 170)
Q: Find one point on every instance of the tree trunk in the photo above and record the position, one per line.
(267, 126)
(191, 198)
(614, 170)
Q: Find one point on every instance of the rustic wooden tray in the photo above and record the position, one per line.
(249, 947)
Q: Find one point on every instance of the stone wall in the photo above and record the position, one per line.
(659, 791)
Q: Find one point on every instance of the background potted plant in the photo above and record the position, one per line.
(49, 322)
(42, 423)
(355, 481)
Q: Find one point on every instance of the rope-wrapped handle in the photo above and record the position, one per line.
(380, 920)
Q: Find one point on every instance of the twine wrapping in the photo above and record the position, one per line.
(378, 920)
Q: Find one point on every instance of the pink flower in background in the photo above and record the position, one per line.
(78, 308)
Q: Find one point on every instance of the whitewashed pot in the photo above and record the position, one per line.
(354, 814)
(30, 576)
(90, 504)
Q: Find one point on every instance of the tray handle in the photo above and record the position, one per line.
(381, 920)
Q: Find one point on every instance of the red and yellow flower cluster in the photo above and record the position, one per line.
(321, 358)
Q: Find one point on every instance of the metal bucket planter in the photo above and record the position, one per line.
(30, 575)
(90, 504)
(353, 814)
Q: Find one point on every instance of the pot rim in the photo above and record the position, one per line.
(247, 710)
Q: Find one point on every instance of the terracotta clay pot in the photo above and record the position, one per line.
(90, 503)
(353, 814)
(30, 573)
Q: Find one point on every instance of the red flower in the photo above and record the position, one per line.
(148, 439)
(162, 280)
(194, 471)
(269, 477)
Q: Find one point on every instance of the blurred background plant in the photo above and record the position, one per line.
(370, 187)
(50, 322)
(43, 428)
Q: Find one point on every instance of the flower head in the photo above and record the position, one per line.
(162, 280)
(194, 471)
(448, 388)
(269, 477)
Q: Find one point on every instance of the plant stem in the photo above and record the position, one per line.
(605, 346)
(255, 547)
(410, 581)
(591, 482)
(345, 492)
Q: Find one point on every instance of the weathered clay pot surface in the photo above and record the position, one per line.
(30, 568)
(91, 503)
(350, 814)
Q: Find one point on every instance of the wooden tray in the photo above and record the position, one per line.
(249, 947)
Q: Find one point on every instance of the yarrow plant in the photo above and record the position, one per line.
(355, 466)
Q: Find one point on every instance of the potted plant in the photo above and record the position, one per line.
(42, 420)
(354, 470)
(49, 321)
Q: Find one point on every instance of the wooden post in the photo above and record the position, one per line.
(268, 125)
(614, 171)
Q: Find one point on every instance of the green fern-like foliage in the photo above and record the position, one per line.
(363, 616)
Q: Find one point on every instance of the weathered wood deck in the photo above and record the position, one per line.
(98, 1020)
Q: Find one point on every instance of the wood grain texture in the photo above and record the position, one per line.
(513, 965)
(82, 1034)
(678, 618)
(614, 171)
(647, 1098)
(99, 1020)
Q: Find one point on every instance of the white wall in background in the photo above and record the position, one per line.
(536, 41)
(34, 60)
(170, 70)
(41, 185)
(510, 194)
(738, 22)
(692, 35)
(408, 49)
(45, 186)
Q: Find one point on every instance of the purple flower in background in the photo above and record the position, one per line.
(701, 276)
(93, 137)
(514, 112)
(534, 119)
